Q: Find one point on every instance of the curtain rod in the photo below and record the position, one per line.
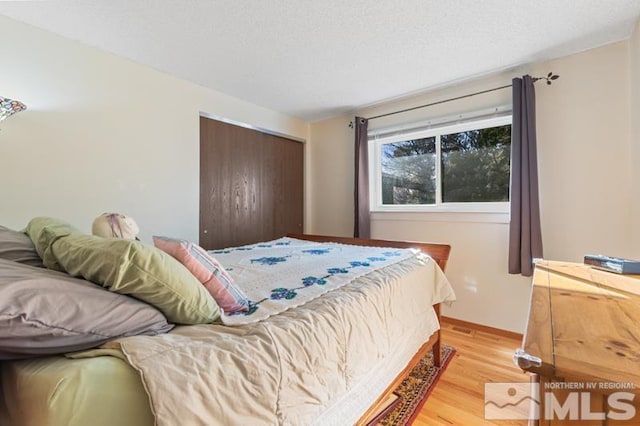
(549, 78)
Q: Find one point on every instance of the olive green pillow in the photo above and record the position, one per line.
(44, 231)
(126, 267)
(139, 270)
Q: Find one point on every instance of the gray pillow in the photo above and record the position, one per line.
(44, 312)
(17, 246)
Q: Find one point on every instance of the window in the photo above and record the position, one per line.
(456, 167)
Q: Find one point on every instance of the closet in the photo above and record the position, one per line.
(251, 185)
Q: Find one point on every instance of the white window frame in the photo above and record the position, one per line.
(375, 169)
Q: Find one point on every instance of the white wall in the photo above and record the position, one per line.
(102, 133)
(331, 153)
(583, 140)
(584, 143)
(634, 149)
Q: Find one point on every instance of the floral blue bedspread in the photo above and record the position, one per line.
(284, 273)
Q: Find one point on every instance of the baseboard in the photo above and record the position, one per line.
(480, 327)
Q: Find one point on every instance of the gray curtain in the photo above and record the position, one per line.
(525, 236)
(361, 223)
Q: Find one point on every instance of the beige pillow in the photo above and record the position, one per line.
(115, 225)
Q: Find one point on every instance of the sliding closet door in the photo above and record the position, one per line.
(251, 185)
(282, 181)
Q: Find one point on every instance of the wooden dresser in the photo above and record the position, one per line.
(584, 330)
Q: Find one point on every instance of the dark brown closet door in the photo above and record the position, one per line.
(251, 185)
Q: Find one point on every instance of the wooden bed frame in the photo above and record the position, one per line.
(439, 253)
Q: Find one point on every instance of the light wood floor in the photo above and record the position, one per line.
(482, 357)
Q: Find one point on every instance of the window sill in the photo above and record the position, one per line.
(441, 216)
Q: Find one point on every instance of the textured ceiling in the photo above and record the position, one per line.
(315, 59)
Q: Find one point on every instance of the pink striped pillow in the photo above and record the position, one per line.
(207, 270)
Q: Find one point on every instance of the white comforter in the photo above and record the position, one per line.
(291, 368)
(284, 273)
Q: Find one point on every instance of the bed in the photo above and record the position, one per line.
(328, 360)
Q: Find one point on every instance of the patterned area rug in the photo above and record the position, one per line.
(416, 388)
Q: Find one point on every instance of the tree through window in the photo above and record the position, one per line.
(455, 164)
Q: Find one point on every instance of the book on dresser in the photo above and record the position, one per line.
(613, 264)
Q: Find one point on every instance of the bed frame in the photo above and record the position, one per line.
(439, 253)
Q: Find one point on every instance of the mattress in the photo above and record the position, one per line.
(324, 362)
(58, 391)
